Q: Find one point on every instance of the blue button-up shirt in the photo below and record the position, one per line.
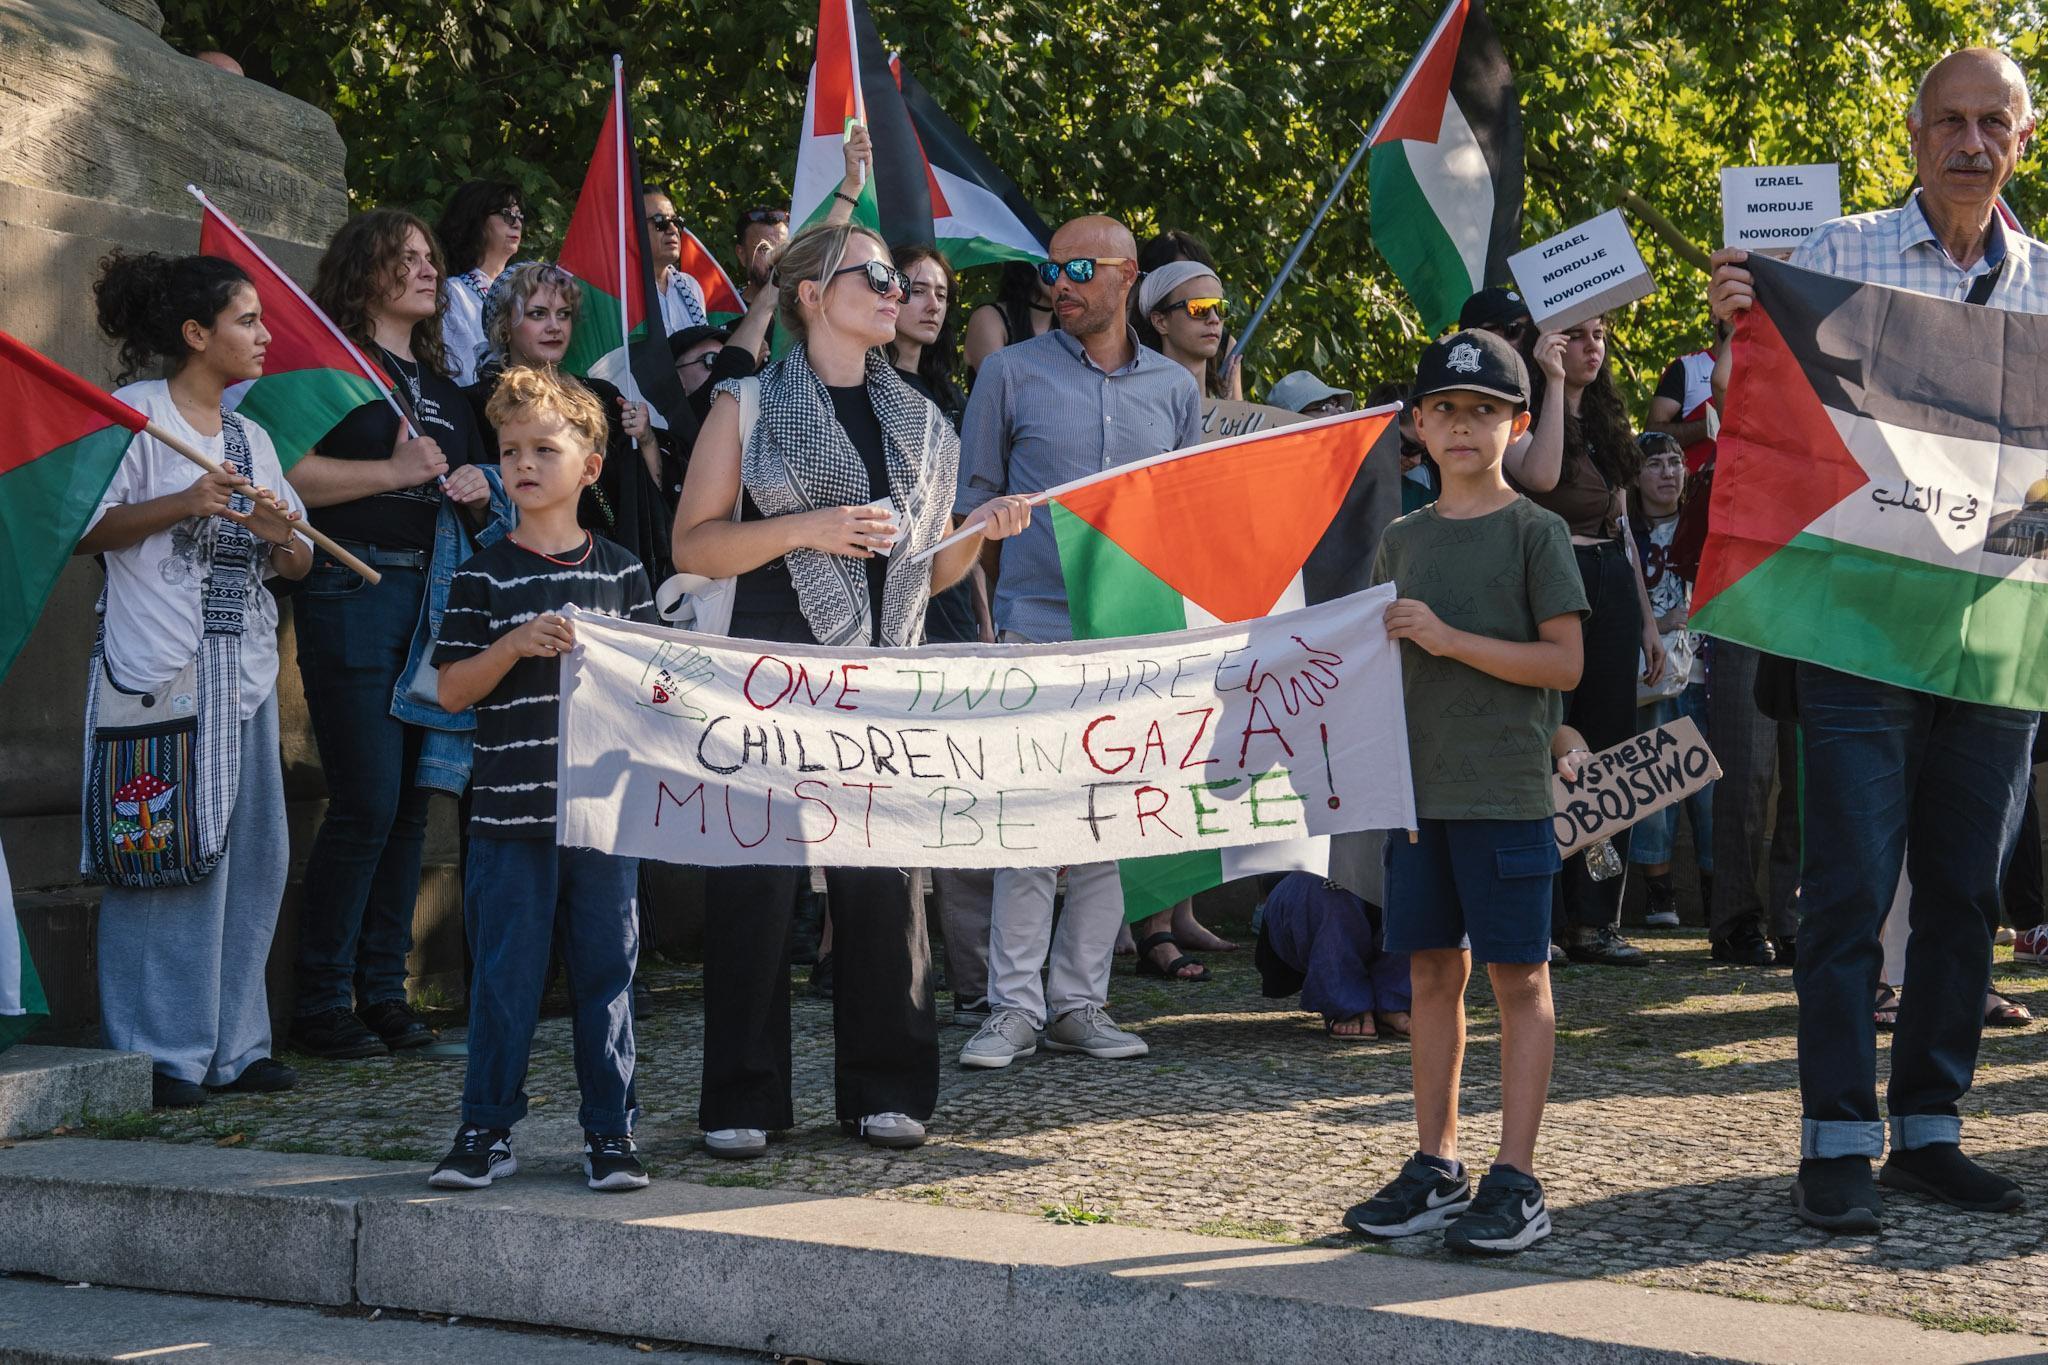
(1898, 247)
(1044, 414)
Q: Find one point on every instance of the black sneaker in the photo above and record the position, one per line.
(1786, 950)
(479, 1156)
(168, 1092)
(611, 1164)
(1421, 1198)
(1836, 1193)
(264, 1076)
(970, 1013)
(1603, 947)
(1746, 948)
(337, 1034)
(821, 978)
(1941, 1171)
(397, 1025)
(1507, 1215)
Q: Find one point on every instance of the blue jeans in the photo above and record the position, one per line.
(519, 898)
(1652, 840)
(1895, 776)
(362, 877)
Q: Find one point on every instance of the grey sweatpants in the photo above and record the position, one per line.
(181, 967)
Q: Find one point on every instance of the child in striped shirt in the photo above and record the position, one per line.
(501, 641)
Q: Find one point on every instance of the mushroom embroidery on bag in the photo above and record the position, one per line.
(141, 826)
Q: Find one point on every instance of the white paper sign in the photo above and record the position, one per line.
(702, 750)
(1581, 273)
(1775, 208)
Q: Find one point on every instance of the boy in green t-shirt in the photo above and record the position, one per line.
(1490, 606)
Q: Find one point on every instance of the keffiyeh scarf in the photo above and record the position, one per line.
(798, 458)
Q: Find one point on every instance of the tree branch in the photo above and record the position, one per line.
(1656, 222)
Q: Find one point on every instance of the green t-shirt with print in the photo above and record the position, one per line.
(1480, 746)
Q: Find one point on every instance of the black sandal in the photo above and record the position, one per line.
(1171, 971)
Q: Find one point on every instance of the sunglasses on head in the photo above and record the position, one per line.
(1080, 270)
(1197, 309)
(765, 216)
(662, 222)
(882, 277)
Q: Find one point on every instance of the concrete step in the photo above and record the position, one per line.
(868, 1280)
(44, 1087)
(43, 1322)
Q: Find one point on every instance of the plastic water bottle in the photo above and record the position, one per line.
(1603, 861)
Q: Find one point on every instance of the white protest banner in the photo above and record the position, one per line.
(1581, 273)
(1633, 780)
(698, 749)
(1227, 417)
(1775, 208)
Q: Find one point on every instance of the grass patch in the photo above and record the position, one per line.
(1257, 1229)
(1074, 1215)
(1948, 1320)
(301, 1146)
(398, 1152)
(126, 1127)
(1707, 1058)
(926, 1194)
(747, 1180)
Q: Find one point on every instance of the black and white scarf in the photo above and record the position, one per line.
(798, 458)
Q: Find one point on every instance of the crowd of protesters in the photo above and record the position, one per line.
(499, 490)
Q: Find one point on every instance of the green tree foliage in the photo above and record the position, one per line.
(1230, 120)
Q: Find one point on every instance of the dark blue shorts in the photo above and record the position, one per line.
(1477, 884)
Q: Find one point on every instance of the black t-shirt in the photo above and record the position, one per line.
(512, 782)
(949, 616)
(402, 519)
(1671, 384)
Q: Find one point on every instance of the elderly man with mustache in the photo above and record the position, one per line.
(1890, 770)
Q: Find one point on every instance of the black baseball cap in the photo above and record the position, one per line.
(1476, 361)
(682, 341)
(1497, 305)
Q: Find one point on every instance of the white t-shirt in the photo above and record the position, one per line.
(462, 324)
(154, 588)
(682, 302)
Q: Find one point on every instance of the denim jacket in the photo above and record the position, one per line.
(445, 751)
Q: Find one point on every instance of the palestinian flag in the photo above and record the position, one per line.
(722, 301)
(606, 250)
(1226, 531)
(851, 79)
(1446, 173)
(58, 453)
(1880, 499)
(313, 375)
(979, 216)
(22, 1004)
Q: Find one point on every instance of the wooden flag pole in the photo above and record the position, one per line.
(316, 537)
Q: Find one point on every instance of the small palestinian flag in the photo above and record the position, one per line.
(979, 216)
(722, 301)
(58, 452)
(1446, 173)
(313, 375)
(851, 79)
(1880, 499)
(22, 1003)
(1225, 531)
(606, 249)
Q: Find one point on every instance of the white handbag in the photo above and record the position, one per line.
(690, 601)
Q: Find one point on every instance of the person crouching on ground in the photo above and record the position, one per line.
(500, 648)
(1490, 609)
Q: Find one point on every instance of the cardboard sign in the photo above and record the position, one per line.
(1223, 417)
(1775, 208)
(1581, 273)
(1633, 780)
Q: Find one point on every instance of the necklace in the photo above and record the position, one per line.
(411, 377)
(589, 544)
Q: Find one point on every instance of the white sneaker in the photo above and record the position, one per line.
(1091, 1032)
(1006, 1036)
(2004, 937)
(1667, 918)
(887, 1130)
(736, 1144)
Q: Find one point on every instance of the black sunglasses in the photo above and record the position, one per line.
(512, 216)
(882, 277)
(707, 360)
(765, 216)
(1080, 270)
(662, 222)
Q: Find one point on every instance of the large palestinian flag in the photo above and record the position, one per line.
(313, 375)
(979, 216)
(1446, 173)
(59, 448)
(1880, 498)
(851, 79)
(1226, 531)
(22, 1004)
(606, 249)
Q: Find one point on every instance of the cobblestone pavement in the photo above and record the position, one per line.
(1667, 1150)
